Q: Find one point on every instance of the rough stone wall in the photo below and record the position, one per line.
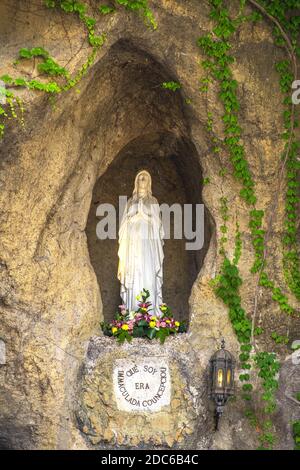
(50, 299)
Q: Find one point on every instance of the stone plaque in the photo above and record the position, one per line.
(142, 384)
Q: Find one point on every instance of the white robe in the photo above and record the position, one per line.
(141, 252)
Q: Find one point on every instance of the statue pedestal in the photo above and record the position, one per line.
(144, 394)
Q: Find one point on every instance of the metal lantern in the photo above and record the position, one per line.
(222, 366)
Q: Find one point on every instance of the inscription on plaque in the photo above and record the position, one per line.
(142, 384)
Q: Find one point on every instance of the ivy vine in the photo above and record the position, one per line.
(296, 434)
(287, 70)
(216, 46)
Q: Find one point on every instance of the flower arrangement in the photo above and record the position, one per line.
(142, 323)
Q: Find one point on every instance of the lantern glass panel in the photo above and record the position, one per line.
(220, 377)
(228, 377)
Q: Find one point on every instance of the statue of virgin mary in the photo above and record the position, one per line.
(141, 246)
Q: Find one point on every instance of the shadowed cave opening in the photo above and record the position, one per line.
(153, 127)
(176, 178)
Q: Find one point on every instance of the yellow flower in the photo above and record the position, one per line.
(114, 330)
(177, 323)
(138, 297)
(163, 308)
(125, 327)
(168, 321)
(153, 318)
(152, 324)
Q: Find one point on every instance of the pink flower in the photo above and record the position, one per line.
(130, 324)
(163, 324)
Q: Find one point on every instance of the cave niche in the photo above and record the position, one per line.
(176, 178)
(144, 127)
